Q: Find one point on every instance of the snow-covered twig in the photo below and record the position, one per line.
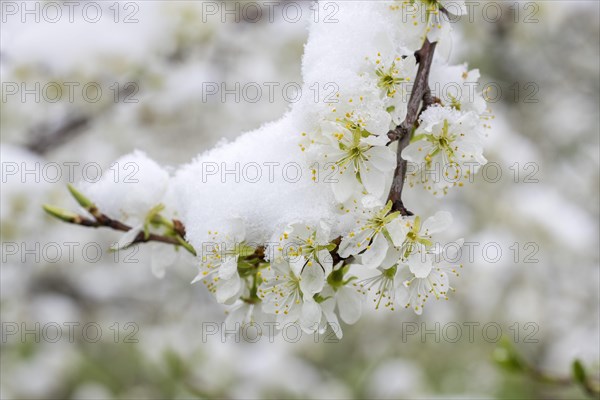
(175, 233)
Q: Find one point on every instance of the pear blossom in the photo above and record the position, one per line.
(393, 76)
(417, 289)
(415, 249)
(377, 230)
(457, 87)
(288, 291)
(445, 151)
(382, 285)
(299, 265)
(304, 246)
(424, 271)
(218, 268)
(352, 140)
(340, 294)
(433, 18)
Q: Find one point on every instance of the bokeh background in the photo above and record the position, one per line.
(542, 212)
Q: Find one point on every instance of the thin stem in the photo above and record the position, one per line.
(102, 221)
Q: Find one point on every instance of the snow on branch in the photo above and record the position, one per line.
(302, 220)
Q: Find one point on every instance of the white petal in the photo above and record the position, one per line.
(379, 123)
(420, 265)
(328, 307)
(351, 245)
(161, 258)
(437, 223)
(380, 140)
(312, 280)
(455, 7)
(226, 289)
(383, 158)
(350, 304)
(376, 252)
(326, 261)
(311, 315)
(238, 230)
(128, 237)
(372, 179)
(238, 316)
(297, 263)
(392, 257)
(398, 230)
(345, 186)
(370, 201)
(228, 268)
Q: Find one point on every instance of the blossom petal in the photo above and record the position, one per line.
(228, 288)
(383, 158)
(310, 316)
(228, 268)
(350, 305)
(128, 237)
(437, 223)
(160, 259)
(420, 265)
(312, 280)
(416, 152)
(354, 243)
(345, 186)
(398, 230)
(372, 179)
(375, 253)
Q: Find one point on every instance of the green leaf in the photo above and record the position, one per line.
(80, 198)
(61, 214)
(579, 373)
(506, 356)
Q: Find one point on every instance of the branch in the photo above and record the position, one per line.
(103, 221)
(507, 357)
(175, 230)
(50, 135)
(421, 93)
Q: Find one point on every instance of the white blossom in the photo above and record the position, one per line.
(377, 230)
(393, 76)
(457, 87)
(341, 295)
(288, 293)
(445, 151)
(430, 19)
(218, 268)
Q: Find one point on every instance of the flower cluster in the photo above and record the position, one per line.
(311, 252)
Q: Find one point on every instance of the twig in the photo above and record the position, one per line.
(421, 93)
(103, 221)
(50, 135)
(175, 228)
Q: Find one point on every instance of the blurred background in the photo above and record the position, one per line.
(81, 322)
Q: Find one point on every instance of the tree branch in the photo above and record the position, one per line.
(421, 93)
(101, 220)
